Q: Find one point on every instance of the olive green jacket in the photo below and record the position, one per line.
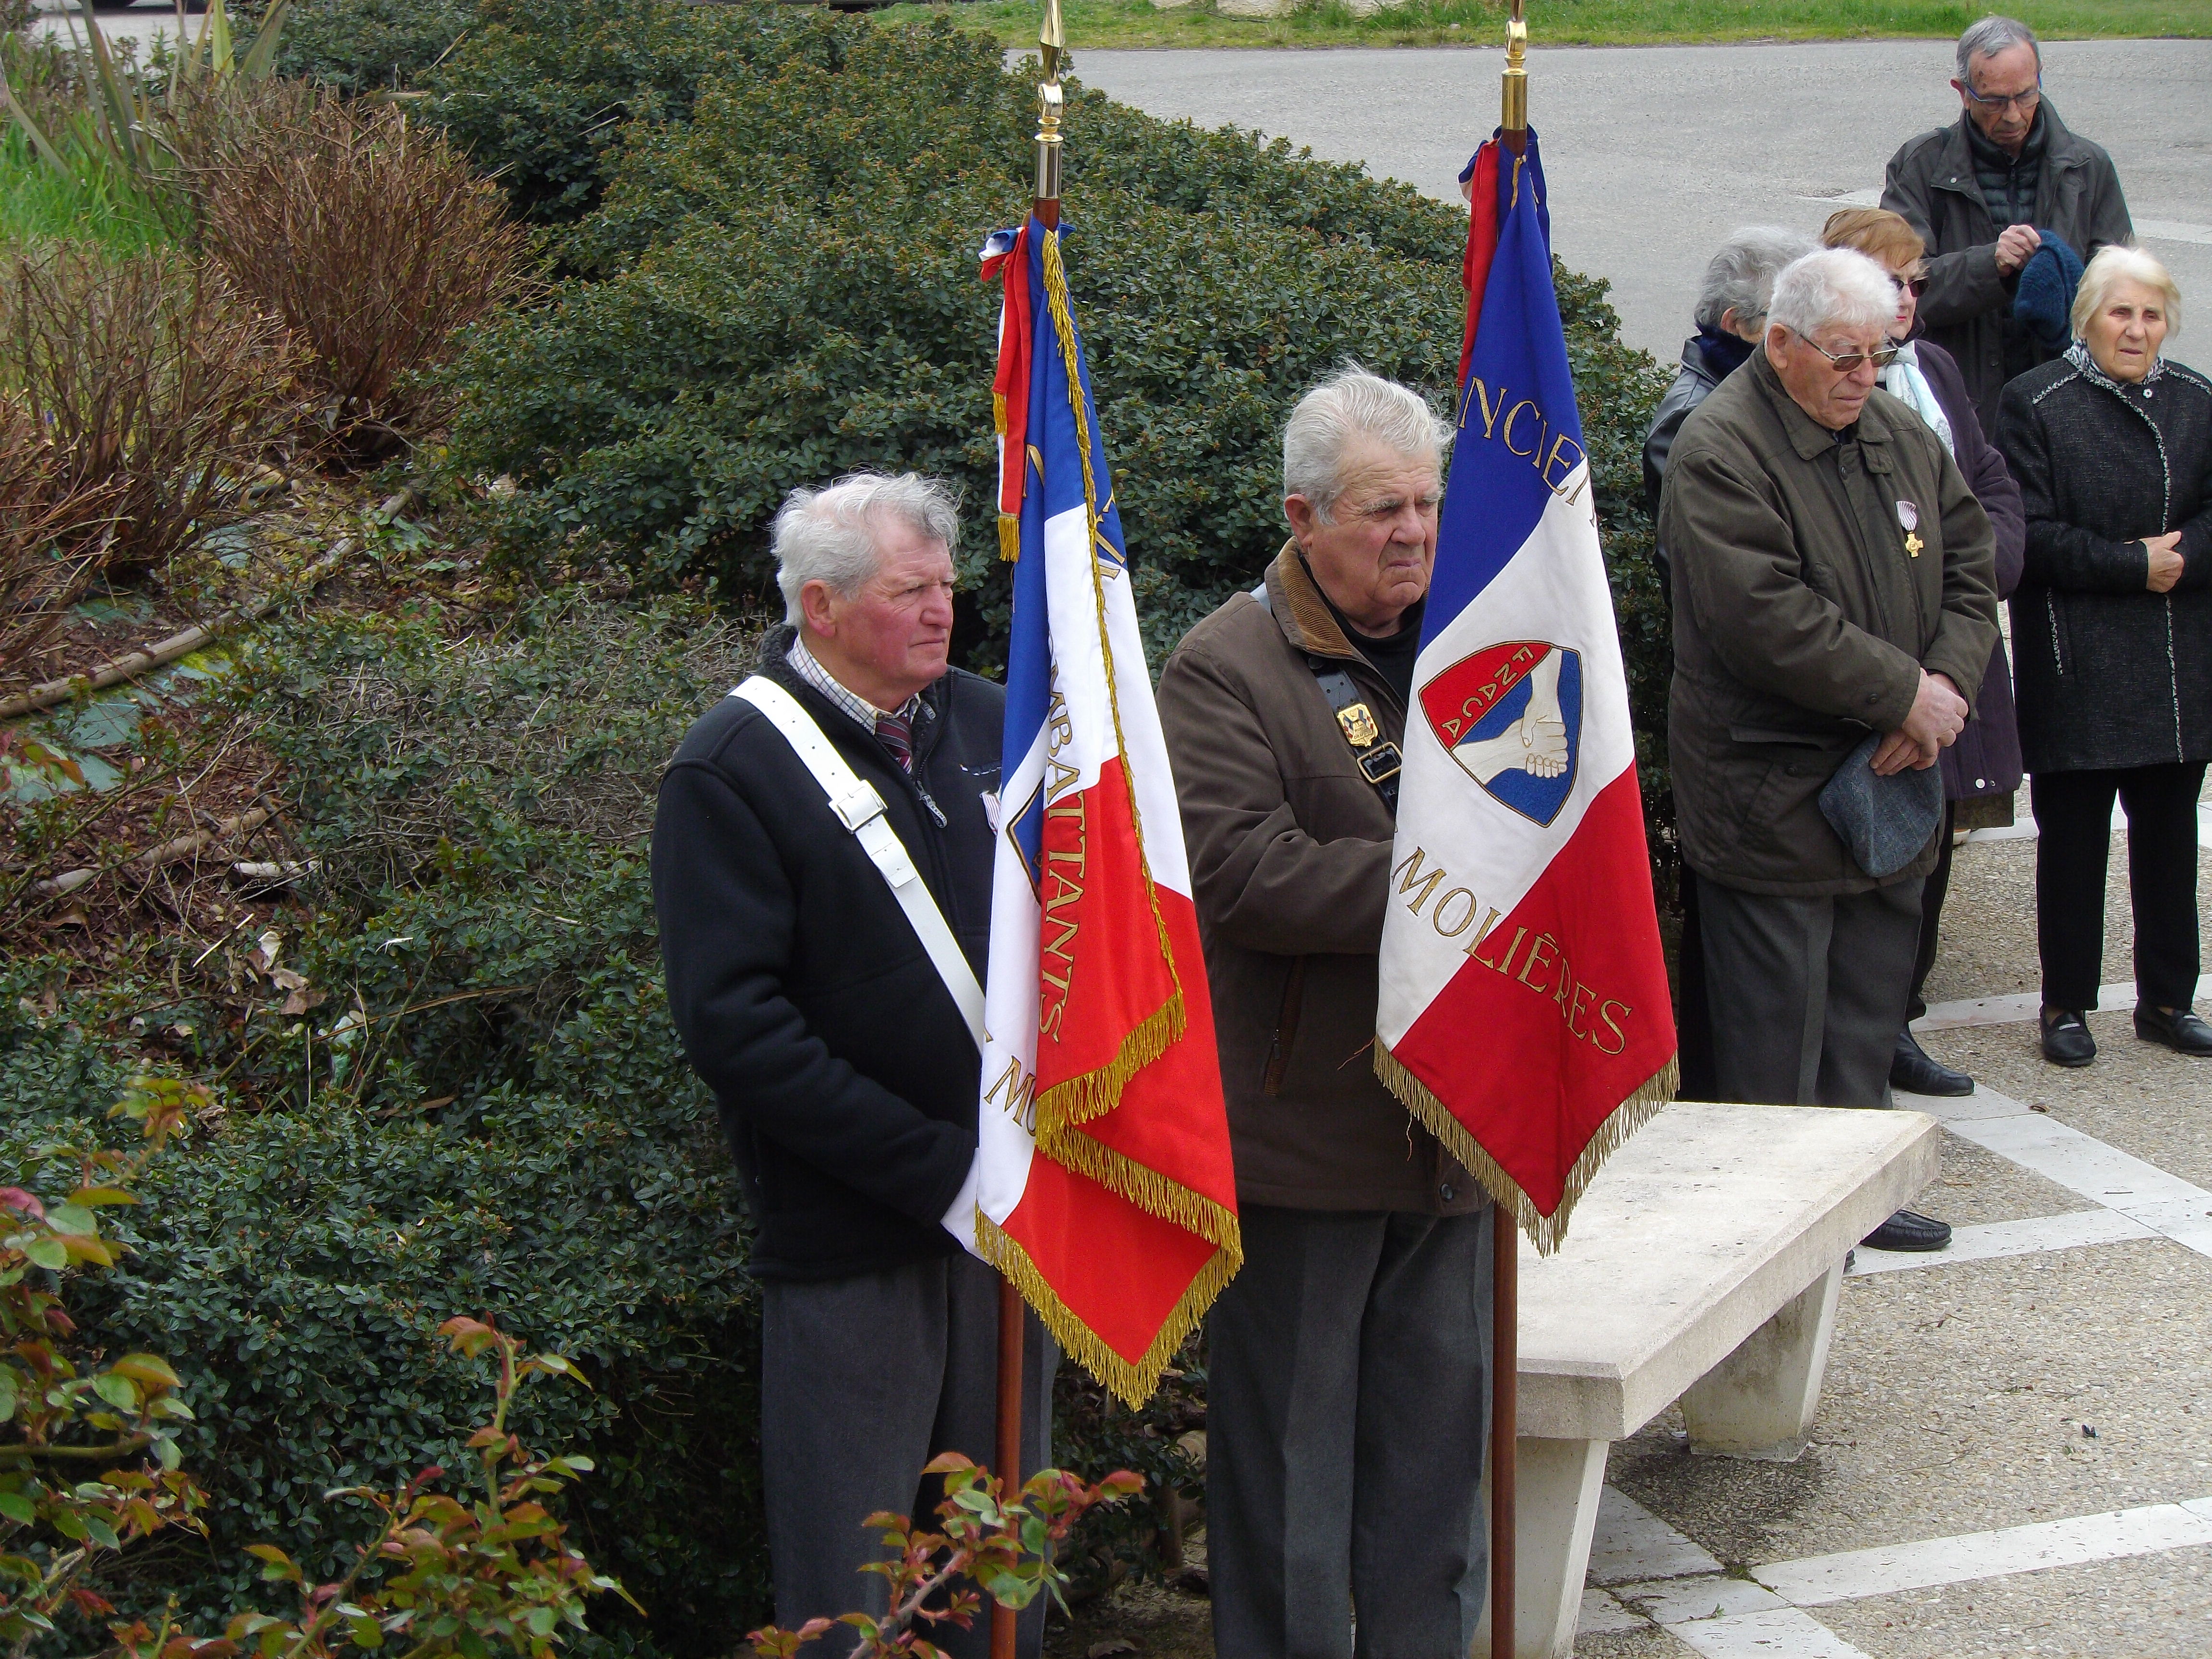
(1803, 617)
(1290, 861)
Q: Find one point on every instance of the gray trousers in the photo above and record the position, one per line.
(863, 1381)
(1347, 1419)
(1808, 994)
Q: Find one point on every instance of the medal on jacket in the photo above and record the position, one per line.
(1908, 516)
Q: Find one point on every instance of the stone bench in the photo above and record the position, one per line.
(1703, 1266)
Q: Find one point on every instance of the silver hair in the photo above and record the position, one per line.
(1741, 277)
(2113, 264)
(829, 535)
(1352, 404)
(1991, 36)
(1835, 286)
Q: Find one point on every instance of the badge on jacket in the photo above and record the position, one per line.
(1908, 516)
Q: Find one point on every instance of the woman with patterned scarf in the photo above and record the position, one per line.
(1982, 768)
(2112, 624)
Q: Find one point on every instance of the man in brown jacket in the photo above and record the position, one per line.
(1347, 1391)
(1834, 577)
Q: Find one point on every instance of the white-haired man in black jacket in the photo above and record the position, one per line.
(844, 1068)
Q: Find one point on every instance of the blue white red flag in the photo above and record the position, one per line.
(1105, 1190)
(1524, 1015)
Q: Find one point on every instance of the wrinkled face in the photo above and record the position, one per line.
(889, 639)
(1831, 396)
(2006, 95)
(2127, 330)
(1374, 554)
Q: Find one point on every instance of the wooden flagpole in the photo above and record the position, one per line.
(1052, 42)
(1505, 1254)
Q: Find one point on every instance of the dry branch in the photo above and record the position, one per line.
(163, 653)
(169, 852)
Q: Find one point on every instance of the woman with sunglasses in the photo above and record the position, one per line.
(1982, 769)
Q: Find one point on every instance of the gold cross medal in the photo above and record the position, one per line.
(1908, 516)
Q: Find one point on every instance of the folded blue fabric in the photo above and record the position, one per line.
(2043, 299)
(1885, 822)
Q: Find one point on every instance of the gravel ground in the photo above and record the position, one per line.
(1977, 1187)
(2155, 1605)
(1954, 1403)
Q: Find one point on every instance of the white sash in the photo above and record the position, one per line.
(861, 810)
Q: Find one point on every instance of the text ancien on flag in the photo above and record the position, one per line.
(1104, 1190)
(1524, 1015)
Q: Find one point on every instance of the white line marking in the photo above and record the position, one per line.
(1848, 198)
(2079, 1163)
(1885, 1570)
(2004, 1238)
(1710, 1595)
(2172, 230)
(2017, 1009)
(1777, 1634)
(1632, 1544)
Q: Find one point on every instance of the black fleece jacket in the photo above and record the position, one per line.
(846, 1078)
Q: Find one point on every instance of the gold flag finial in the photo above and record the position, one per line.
(1052, 42)
(1514, 119)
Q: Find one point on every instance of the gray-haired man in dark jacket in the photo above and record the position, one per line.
(843, 1066)
(1985, 192)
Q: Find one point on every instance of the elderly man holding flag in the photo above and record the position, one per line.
(1408, 783)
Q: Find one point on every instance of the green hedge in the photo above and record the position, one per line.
(476, 806)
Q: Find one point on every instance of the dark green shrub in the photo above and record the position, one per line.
(512, 1131)
(364, 46)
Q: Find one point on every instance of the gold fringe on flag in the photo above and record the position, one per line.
(1097, 1093)
(1545, 1232)
(1010, 539)
(1132, 1384)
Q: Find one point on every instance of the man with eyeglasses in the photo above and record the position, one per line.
(1985, 192)
(1835, 588)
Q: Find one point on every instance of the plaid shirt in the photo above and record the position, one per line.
(804, 664)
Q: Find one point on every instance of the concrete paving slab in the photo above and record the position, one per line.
(1631, 1545)
(2135, 1096)
(1603, 1616)
(1954, 1404)
(1978, 1187)
(1655, 153)
(2155, 1606)
(1713, 1595)
(1855, 1575)
(2001, 1238)
(1769, 1634)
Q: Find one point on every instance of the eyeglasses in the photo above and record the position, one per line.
(1850, 361)
(2024, 101)
(1918, 285)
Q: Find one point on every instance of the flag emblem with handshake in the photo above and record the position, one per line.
(1524, 1014)
(1104, 1188)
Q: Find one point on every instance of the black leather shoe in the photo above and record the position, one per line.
(1912, 1069)
(1909, 1231)
(2180, 1030)
(2066, 1039)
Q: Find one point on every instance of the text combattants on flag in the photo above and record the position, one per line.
(1104, 1189)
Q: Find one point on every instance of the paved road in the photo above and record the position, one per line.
(1654, 153)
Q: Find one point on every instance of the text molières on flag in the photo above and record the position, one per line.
(1103, 1187)
(1524, 1015)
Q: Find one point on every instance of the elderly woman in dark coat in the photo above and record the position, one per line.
(1982, 769)
(2112, 631)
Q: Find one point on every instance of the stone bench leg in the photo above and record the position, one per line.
(1556, 1485)
(1760, 1401)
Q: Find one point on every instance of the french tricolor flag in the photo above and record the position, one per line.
(1524, 1016)
(1105, 1190)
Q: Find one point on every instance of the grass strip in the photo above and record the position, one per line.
(37, 203)
(1100, 24)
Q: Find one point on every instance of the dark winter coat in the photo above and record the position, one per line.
(1804, 620)
(845, 1072)
(1985, 760)
(1968, 305)
(2111, 674)
(1703, 367)
(1289, 864)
